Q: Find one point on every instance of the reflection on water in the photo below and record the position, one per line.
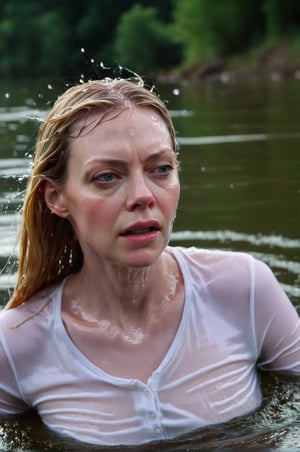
(235, 138)
(240, 178)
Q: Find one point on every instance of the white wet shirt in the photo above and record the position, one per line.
(236, 317)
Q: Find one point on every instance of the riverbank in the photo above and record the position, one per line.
(276, 62)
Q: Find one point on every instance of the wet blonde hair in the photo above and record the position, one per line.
(48, 249)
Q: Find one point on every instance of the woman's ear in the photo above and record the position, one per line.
(54, 198)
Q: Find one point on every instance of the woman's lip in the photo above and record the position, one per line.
(141, 228)
(141, 237)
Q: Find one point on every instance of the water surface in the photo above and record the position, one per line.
(240, 174)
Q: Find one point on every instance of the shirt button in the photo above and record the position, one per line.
(157, 431)
(152, 416)
(147, 391)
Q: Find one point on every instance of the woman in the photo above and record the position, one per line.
(112, 335)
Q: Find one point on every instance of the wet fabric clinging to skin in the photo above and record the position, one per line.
(232, 322)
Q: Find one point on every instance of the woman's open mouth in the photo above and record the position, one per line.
(142, 232)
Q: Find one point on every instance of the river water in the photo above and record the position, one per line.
(239, 147)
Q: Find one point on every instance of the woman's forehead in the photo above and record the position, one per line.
(89, 120)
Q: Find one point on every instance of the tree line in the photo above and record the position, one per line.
(63, 37)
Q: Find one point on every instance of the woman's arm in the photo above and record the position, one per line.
(11, 401)
(277, 324)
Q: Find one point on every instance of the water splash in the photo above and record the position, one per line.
(232, 236)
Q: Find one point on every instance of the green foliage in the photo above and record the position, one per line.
(95, 29)
(143, 42)
(217, 28)
(295, 47)
(32, 40)
(282, 17)
(45, 38)
(17, 22)
(54, 34)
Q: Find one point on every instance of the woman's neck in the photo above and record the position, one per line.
(126, 297)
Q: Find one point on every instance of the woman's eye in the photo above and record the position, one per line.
(164, 169)
(105, 177)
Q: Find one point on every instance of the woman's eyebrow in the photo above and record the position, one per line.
(116, 160)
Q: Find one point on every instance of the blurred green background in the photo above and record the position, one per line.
(54, 38)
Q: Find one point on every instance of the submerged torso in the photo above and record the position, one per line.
(207, 373)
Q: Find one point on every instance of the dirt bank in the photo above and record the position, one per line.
(274, 63)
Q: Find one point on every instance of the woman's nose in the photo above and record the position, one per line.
(139, 194)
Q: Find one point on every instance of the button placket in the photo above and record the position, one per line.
(152, 413)
(157, 430)
(147, 391)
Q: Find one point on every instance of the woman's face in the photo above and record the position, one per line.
(122, 188)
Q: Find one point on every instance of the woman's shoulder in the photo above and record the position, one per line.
(212, 257)
(226, 274)
(226, 263)
(26, 331)
(35, 309)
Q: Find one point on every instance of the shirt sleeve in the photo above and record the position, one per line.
(11, 400)
(277, 324)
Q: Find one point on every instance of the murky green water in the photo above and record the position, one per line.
(240, 176)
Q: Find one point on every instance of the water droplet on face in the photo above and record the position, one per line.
(154, 118)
